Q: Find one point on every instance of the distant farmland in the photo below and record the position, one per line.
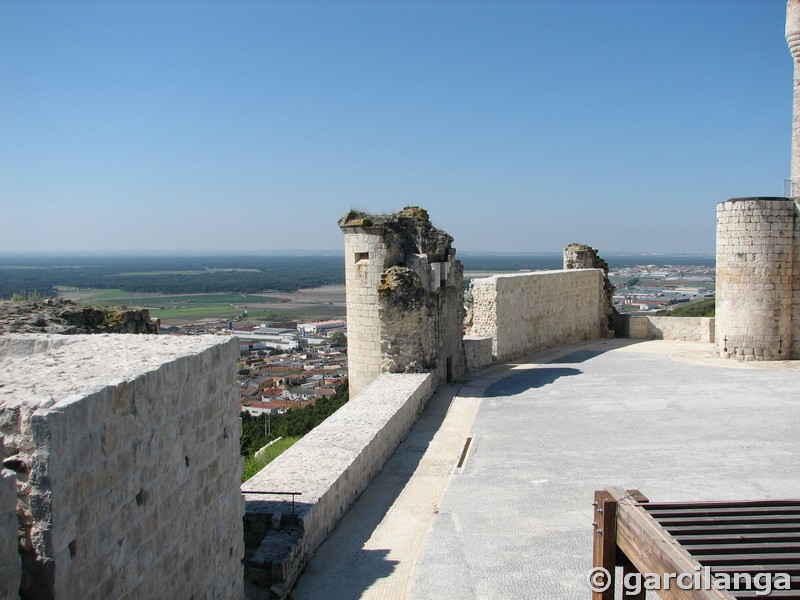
(319, 303)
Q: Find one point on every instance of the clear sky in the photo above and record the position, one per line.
(254, 126)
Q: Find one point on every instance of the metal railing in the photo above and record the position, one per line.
(292, 494)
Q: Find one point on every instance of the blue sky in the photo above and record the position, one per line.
(254, 126)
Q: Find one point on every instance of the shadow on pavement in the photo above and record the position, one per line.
(327, 576)
(521, 381)
(578, 356)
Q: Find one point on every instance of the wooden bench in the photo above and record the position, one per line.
(712, 544)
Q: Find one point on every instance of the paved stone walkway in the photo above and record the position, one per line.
(514, 522)
(374, 550)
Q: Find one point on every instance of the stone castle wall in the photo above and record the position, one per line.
(477, 352)
(10, 566)
(583, 256)
(404, 291)
(684, 329)
(756, 280)
(331, 466)
(127, 456)
(528, 312)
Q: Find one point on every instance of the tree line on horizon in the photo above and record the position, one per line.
(168, 275)
(24, 275)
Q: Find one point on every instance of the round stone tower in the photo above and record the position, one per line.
(793, 39)
(755, 278)
(365, 254)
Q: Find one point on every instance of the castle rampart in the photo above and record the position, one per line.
(404, 297)
(684, 329)
(331, 466)
(527, 312)
(126, 453)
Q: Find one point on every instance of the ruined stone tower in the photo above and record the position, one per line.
(583, 256)
(404, 297)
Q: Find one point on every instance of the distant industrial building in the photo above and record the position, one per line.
(320, 326)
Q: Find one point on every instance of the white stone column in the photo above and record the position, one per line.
(793, 39)
(365, 260)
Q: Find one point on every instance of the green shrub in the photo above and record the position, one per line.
(704, 308)
(253, 465)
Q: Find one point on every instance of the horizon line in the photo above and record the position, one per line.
(296, 252)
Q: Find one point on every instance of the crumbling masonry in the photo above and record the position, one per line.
(405, 306)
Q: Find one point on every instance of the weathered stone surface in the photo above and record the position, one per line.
(793, 40)
(757, 307)
(404, 297)
(126, 451)
(528, 312)
(10, 565)
(583, 256)
(477, 352)
(58, 315)
(684, 329)
(331, 466)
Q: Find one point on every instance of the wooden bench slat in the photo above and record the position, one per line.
(735, 529)
(735, 538)
(722, 512)
(725, 504)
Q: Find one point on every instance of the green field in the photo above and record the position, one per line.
(180, 307)
(194, 307)
(118, 297)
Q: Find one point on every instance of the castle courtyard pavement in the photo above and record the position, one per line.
(514, 521)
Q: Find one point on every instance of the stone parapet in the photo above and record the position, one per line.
(477, 352)
(684, 329)
(126, 449)
(331, 466)
(10, 566)
(527, 312)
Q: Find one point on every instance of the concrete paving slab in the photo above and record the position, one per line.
(515, 520)
(373, 552)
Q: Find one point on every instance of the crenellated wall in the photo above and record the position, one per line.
(527, 312)
(126, 450)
